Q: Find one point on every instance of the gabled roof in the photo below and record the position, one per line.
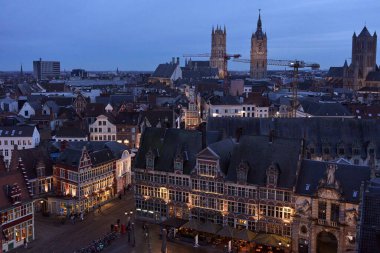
(30, 158)
(16, 131)
(373, 76)
(350, 178)
(11, 178)
(165, 70)
(336, 72)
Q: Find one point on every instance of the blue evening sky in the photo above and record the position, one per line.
(139, 34)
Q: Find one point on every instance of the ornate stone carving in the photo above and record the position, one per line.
(351, 217)
(330, 181)
(328, 194)
(303, 207)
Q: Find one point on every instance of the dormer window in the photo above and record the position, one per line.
(178, 165)
(149, 157)
(272, 175)
(242, 172)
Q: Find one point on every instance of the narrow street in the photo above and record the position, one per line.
(54, 237)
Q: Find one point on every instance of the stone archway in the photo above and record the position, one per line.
(327, 243)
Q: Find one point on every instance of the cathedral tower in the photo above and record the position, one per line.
(363, 56)
(218, 49)
(258, 68)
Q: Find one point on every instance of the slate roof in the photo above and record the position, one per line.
(260, 154)
(72, 132)
(349, 176)
(164, 70)
(336, 72)
(224, 149)
(9, 178)
(127, 118)
(316, 131)
(16, 131)
(158, 116)
(224, 100)
(97, 150)
(324, 109)
(94, 109)
(373, 76)
(165, 143)
(30, 159)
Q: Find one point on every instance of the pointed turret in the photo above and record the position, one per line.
(259, 30)
(21, 71)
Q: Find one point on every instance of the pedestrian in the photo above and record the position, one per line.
(112, 227)
(25, 243)
(81, 215)
(99, 209)
(118, 222)
(120, 196)
(125, 189)
(72, 217)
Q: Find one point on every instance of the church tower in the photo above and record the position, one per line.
(258, 68)
(363, 56)
(218, 49)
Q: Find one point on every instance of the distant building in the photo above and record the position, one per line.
(81, 73)
(259, 52)
(218, 49)
(369, 222)
(363, 71)
(17, 137)
(103, 129)
(167, 73)
(45, 70)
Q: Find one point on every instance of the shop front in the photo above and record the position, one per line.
(15, 232)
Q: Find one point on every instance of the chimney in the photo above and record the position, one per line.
(177, 60)
(202, 129)
(238, 134)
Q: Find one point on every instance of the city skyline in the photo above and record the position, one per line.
(97, 35)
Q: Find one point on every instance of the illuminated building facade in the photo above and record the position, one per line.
(260, 183)
(83, 179)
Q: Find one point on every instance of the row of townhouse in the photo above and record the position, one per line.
(257, 183)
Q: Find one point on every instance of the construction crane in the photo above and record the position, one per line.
(295, 64)
(226, 58)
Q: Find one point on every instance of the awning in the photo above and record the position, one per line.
(227, 231)
(245, 235)
(207, 227)
(272, 240)
(174, 222)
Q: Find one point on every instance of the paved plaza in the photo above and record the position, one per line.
(54, 237)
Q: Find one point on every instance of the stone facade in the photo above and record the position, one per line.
(218, 49)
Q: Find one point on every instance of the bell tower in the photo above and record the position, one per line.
(258, 68)
(218, 49)
(363, 56)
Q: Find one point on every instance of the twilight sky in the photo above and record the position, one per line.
(139, 34)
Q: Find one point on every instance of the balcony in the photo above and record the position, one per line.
(322, 222)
